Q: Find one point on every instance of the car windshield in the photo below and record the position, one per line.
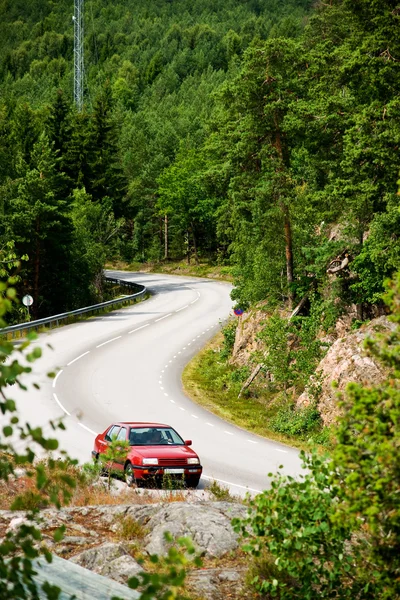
(154, 436)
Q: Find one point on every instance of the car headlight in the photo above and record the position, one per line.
(150, 461)
(193, 461)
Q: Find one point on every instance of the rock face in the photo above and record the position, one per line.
(216, 584)
(246, 342)
(92, 538)
(109, 559)
(346, 362)
(209, 526)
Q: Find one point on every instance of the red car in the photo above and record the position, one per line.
(155, 450)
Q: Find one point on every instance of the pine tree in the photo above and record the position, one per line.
(39, 223)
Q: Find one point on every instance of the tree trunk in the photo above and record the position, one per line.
(287, 227)
(250, 379)
(166, 237)
(36, 272)
(187, 241)
(289, 255)
(196, 257)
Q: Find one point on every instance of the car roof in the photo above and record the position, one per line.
(140, 424)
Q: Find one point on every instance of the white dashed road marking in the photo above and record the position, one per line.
(77, 358)
(108, 341)
(87, 428)
(164, 317)
(56, 377)
(137, 328)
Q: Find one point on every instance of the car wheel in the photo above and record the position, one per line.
(192, 482)
(129, 475)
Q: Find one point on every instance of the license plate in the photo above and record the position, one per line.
(174, 471)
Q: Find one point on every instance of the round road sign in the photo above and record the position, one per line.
(27, 300)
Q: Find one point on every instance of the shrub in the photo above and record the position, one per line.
(229, 333)
(299, 422)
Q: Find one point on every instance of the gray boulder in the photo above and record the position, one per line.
(206, 583)
(110, 560)
(208, 525)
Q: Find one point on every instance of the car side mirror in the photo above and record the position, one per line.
(188, 442)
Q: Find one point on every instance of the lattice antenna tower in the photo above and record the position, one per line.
(78, 54)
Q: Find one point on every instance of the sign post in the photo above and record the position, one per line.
(27, 301)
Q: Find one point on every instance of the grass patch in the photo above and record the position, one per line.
(214, 384)
(129, 529)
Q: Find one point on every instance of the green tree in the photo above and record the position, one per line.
(251, 143)
(107, 179)
(39, 222)
(184, 199)
(94, 229)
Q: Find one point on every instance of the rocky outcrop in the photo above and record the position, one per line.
(209, 526)
(216, 584)
(346, 362)
(246, 342)
(93, 538)
(110, 560)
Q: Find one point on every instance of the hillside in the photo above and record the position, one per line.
(152, 73)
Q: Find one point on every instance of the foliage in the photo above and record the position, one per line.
(292, 350)
(129, 528)
(19, 445)
(115, 452)
(335, 531)
(297, 422)
(366, 462)
(135, 150)
(293, 522)
(229, 333)
(263, 135)
(379, 256)
(220, 492)
(10, 265)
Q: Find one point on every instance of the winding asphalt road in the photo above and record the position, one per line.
(127, 365)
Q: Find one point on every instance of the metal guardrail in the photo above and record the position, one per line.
(130, 285)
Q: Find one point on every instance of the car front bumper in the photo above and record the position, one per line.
(148, 472)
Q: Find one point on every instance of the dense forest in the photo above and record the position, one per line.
(257, 134)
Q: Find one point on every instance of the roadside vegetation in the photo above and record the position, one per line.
(265, 407)
(335, 533)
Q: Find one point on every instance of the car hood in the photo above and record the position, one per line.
(164, 451)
